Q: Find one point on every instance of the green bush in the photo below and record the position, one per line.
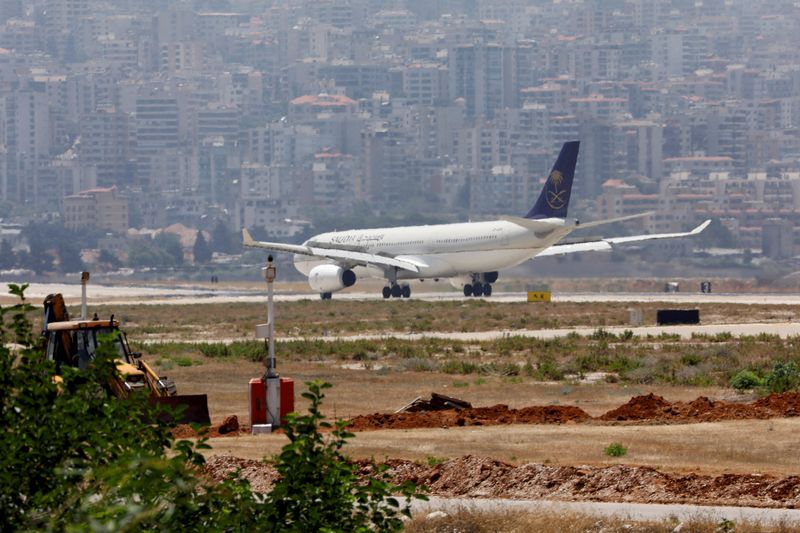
(784, 377)
(459, 367)
(76, 459)
(615, 449)
(691, 359)
(319, 489)
(433, 460)
(745, 380)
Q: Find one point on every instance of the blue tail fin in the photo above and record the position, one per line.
(554, 199)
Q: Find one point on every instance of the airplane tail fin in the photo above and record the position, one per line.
(554, 198)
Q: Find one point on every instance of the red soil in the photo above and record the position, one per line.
(649, 408)
(482, 477)
(639, 409)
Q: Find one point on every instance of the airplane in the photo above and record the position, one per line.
(469, 254)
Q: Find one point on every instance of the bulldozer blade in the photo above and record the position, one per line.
(187, 408)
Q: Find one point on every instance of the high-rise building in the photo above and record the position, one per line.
(485, 76)
(63, 20)
(107, 143)
(157, 130)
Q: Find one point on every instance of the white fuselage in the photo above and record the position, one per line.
(443, 250)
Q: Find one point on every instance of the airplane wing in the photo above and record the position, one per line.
(604, 245)
(348, 256)
(612, 220)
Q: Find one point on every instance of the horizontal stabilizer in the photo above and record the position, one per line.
(561, 249)
(535, 224)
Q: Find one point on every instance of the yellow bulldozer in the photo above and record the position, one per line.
(74, 343)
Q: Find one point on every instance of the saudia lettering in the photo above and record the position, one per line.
(357, 238)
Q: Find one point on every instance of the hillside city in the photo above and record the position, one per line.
(132, 129)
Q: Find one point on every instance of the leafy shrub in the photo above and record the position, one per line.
(319, 489)
(547, 369)
(433, 460)
(745, 379)
(182, 360)
(615, 449)
(459, 367)
(691, 359)
(622, 364)
(602, 334)
(784, 377)
(76, 459)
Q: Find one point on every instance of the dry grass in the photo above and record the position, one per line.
(699, 361)
(340, 317)
(471, 521)
(709, 448)
(368, 391)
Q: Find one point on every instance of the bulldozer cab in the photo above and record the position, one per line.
(74, 343)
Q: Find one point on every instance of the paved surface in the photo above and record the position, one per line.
(634, 511)
(120, 295)
(108, 294)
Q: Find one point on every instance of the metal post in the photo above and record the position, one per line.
(271, 377)
(84, 282)
(269, 273)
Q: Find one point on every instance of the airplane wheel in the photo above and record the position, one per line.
(487, 289)
(477, 290)
(387, 292)
(406, 291)
(467, 290)
(326, 295)
(397, 291)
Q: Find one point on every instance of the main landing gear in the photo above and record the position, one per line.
(478, 289)
(481, 284)
(326, 295)
(397, 291)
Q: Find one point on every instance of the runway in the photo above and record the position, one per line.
(187, 294)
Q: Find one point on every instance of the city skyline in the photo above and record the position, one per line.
(269, 115)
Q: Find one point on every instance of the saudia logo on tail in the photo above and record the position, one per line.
(555, 197)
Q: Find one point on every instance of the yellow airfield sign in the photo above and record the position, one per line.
(539, 296)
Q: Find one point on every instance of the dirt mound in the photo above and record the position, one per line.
(229, 427)
(654, 408)
(650, 409)
(639, 408)
(476, 416)
(786, 404)
(483, 477)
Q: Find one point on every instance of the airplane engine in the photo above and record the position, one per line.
(331, 278)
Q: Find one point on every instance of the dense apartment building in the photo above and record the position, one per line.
(99, 208)
(261, 112)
